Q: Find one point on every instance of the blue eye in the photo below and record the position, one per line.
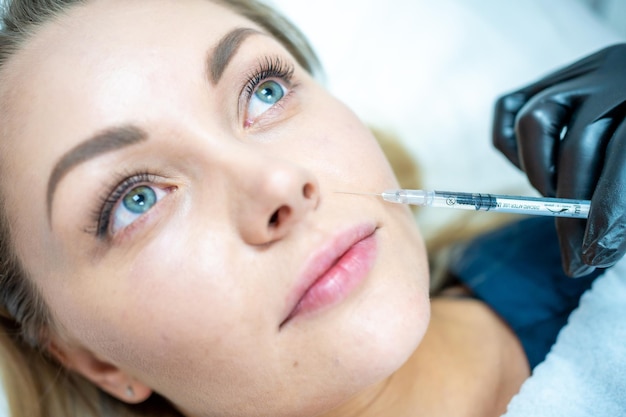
(140, 200)
(269, 92)
(133, 205)
(264, 97)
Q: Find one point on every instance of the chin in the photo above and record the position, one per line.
(374, 353)
(395, 336)
(381, 339)
(395, 316)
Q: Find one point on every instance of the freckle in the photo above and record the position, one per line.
(295, 364)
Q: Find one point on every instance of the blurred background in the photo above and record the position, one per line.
(613, 12)
(429, 72)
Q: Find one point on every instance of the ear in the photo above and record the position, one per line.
(103, 374)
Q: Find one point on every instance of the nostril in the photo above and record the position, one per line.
(274, 219)
(279, 216)
(308, 190)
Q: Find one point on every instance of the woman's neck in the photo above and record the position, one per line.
(469, 364)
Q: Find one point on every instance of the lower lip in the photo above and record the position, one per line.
(340, 280)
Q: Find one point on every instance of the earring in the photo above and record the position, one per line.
(130, 392)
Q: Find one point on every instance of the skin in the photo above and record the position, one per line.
(188, 300)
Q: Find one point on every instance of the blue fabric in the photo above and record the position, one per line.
(517, 271)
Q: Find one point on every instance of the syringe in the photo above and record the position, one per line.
(538, 206)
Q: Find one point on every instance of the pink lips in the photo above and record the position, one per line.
(331, 274)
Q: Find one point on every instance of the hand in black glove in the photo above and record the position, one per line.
(567, 132)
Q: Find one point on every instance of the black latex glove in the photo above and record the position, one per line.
(567, 132)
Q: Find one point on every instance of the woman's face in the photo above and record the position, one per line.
(170, 173)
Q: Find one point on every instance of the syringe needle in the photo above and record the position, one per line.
(354, 193)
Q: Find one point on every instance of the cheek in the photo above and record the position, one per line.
(340, 145)
(159, 310)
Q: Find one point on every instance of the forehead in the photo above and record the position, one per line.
(105, 39)
(101, 64)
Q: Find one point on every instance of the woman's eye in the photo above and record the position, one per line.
(133, 205)
(266, 95)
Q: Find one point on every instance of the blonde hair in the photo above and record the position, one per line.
(35, 384)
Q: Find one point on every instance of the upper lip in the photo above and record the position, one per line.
(322, 260)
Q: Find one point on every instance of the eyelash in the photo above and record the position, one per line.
(101, 217)
(267, 68)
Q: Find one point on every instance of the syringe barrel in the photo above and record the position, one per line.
(537, 206)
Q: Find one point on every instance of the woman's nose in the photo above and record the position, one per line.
(274, 199)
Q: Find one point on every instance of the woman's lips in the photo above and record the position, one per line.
(336, 270)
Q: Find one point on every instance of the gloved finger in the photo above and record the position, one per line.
(581, 157)
(539, 127)
(507, 107)
(503, 129)
(571, 233)
(605, 238)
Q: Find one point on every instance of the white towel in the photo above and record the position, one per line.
(584, 375)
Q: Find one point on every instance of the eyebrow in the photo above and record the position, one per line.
(103, 142)
(219, 57)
